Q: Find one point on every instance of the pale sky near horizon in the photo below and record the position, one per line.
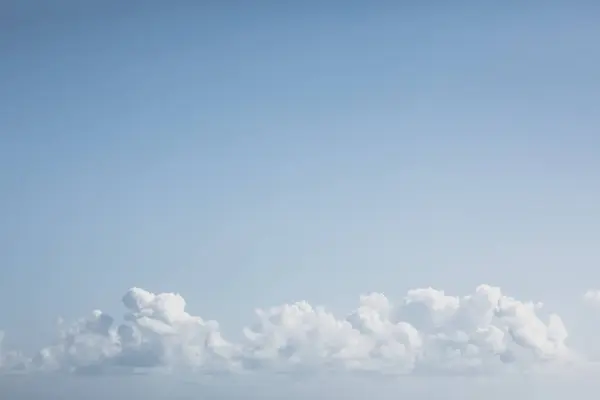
(247, 156)
(526, 388)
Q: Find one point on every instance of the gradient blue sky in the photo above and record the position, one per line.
(248, 155)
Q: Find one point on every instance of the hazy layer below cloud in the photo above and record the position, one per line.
(100, 388)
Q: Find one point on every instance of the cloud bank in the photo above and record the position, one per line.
(427, 332)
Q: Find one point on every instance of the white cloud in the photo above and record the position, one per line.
(427, 332)
(592, 297)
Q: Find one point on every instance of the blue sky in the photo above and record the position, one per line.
(247, 156)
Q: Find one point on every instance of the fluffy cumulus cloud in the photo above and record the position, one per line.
(426, 332)
(156, 332)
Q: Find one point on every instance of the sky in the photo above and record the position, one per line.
(281, 157)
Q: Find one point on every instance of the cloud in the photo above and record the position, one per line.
(157, 332)
(10, 360)
(427, 332)
(592, 297)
